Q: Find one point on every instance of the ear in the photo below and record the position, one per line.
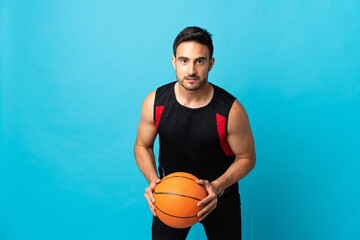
(174, 61)
(211, 63)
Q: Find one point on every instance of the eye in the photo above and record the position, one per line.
(199, 61)
(183, 61)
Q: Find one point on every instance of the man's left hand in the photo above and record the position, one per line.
(210, 202)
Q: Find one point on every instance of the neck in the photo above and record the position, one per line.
(194, 99)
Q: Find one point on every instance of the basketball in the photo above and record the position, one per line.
(176, 199)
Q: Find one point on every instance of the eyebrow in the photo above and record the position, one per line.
(185, 58)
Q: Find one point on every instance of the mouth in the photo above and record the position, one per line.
(192, 79)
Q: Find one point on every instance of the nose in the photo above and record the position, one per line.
(192, 69)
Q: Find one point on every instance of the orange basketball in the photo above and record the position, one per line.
(176, 199)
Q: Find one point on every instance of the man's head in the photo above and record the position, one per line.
(194, 34)
(192, 58)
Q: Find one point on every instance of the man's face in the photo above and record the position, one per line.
(192, 64)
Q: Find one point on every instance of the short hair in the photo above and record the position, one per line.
(195, 34)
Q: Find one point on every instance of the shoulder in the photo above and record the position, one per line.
(237, 109)
(238, 117)
(150, 99)
(147, 106)
(164, 94)
(223, 94)
(166, 86)
(222, 100)
(155, 98)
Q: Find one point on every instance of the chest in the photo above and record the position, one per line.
(194, 128)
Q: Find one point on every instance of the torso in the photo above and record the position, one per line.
(193, 140)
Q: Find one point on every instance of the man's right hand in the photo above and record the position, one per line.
(149, 194)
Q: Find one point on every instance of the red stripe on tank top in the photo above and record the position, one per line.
(158, 112)
(221, 122)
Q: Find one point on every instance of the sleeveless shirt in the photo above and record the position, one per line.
(193, 140)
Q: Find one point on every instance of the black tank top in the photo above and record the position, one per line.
(194, 140)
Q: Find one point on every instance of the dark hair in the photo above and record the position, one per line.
(195, 34)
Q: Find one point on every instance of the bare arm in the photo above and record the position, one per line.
(241, 142)
(144, 143)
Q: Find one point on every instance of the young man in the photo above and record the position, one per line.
(203, 130)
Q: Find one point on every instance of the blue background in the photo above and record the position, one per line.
(74, 75)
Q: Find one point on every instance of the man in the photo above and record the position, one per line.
(203, 130)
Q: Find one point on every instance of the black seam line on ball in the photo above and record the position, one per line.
(176, 194)
(178, 177)
(173, 215)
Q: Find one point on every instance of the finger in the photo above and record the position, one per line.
(149, 192)
(202, 182)
(206, 200)
(151, 205)
(205, 214)
(208, 208)
(154, 184)
(205, 185)
(203, 217)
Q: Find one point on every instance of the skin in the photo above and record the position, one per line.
(192, 65)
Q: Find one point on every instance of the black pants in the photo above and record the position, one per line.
(222, 223)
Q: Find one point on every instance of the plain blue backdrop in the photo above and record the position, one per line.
(74, 75)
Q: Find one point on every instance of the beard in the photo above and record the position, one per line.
(199, 83)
